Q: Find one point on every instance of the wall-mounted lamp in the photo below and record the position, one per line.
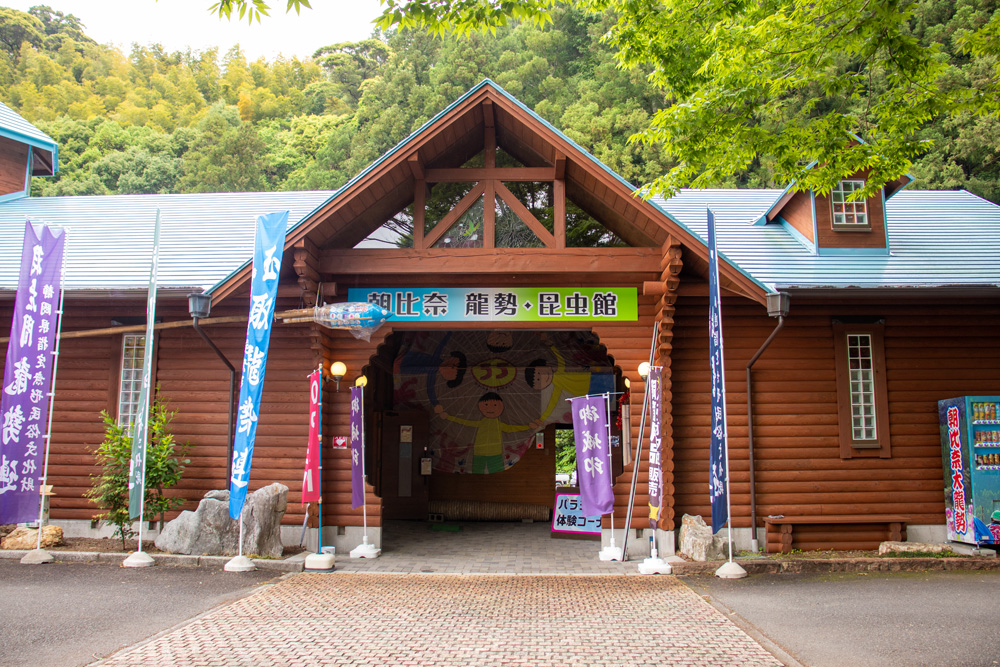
(337, 371)
(644, 370)
(628, 383)
(362, 381)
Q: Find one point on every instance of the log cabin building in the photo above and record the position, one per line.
(844, 322)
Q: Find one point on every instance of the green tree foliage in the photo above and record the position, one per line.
(164, 469)
(750, 98)
(565, 451)
(792, 84)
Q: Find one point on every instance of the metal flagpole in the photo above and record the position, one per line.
(364, 550)
(319, 463)
(364, 471)
(638, 443)
(319, 561)
(654, 564)
(610, 552)
(43, 556)
(730, 569)
(140, 432)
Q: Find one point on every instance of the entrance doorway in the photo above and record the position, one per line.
(467, 421)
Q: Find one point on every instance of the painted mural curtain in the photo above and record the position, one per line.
(488, 392)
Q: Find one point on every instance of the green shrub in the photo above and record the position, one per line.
(164, 468)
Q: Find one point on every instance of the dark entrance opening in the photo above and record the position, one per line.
(465, 423)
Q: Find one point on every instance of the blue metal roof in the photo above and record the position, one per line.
(14, 127)
(204, 237)
(937, 239)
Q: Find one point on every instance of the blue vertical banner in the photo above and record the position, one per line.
(269, 245)
(27, 373)
(719, 453)
(140, 427)
(590, 430)
(357, 447)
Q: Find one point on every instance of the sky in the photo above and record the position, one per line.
(179, 24)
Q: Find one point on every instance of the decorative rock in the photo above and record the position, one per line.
(697, 541)
(27, 538)
(209, 530)
(890, 547)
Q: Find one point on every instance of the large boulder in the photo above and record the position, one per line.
(27, 538)
(697, 541)
(209, 531)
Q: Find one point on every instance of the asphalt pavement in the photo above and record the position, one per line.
(69, 614)
(862, 619)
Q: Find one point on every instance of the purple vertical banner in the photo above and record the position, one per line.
(719, 445)
(27, 374)
(655, 394)
(269, 243)
(357, 447)
(590, 430)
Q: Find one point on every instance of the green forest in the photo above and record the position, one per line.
(202, 121)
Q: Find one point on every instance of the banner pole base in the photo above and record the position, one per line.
(611, 552)
(321, 562)
(731, 570)
(138, 559)
(654, 565)
(365, 550)
(37, 557)
(240, 564)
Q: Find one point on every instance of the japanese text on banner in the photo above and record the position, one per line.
(590, 430)
(268, 247)
(718, 455)
(357, 447)
(27, 373)
(655, 442)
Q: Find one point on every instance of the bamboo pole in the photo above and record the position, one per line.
(177, 324)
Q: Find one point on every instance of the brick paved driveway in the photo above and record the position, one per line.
(428, 619)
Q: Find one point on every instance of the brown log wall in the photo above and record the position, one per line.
(13, 166)
(933, 351)
(196, 384)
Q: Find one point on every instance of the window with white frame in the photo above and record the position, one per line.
(848, 213)
(860, 360)
(133, 351)
(862, 388)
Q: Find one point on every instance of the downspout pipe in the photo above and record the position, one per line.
(777, 306)
(199, 306)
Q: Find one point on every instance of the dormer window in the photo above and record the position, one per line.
(849, 214)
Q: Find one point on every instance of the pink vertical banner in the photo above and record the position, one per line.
(310, 478)
(357, 448)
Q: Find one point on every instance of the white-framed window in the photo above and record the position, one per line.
(862, 389)
(130, 383)
(860, 360)
(848, 213)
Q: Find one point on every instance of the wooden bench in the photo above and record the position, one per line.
(778, 529)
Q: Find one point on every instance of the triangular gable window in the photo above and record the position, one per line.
(511, 231)
(396, 232)
(584, 231)
(467, 231)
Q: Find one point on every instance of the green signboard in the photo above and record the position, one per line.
(504, 304)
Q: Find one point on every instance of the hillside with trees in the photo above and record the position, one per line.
(156, 122)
